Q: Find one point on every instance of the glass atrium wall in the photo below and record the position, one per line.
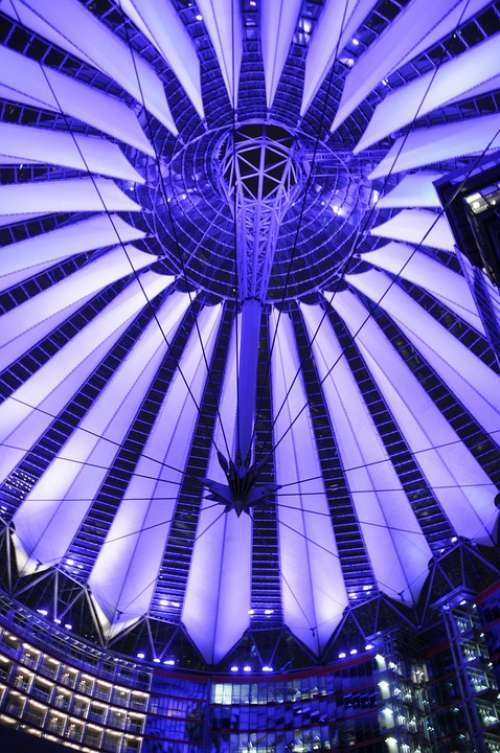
(436, 691)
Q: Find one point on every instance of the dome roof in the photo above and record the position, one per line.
(244, 381)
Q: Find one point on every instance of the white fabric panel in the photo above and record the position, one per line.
(70, 195)
(460, 13)
(415, 190)
(71, 26)
(23, 11)
(160, 23)
(25, 340)
(331, 33)
(447, 286)
(475, 385)
(426, 146)
(219, 585)
(432, 90)
(313, 590)
(49, 389)
(57, 92)
(27, 257)
(492, 84)
(13, 160)
(410, 27)
(418, 226)
(7, 92)
(470, 509)
(51, 514)
(10, 219)
(222, 19)
(123, 578)
(18, 322)
(89, 153)
(399, 559)
(278, 21)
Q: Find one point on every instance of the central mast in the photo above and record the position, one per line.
(259, 177)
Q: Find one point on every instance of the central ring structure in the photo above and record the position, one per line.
(240, 190)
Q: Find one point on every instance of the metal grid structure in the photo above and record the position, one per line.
(343, 343)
